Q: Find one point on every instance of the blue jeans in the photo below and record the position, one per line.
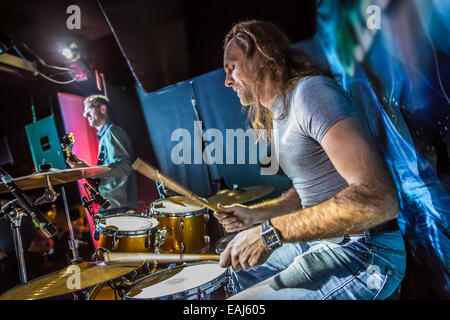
(363, 269)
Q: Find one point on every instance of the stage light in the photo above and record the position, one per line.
(71, 53)
(75, 62)
(66, 52)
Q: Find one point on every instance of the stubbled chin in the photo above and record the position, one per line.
(244, 102)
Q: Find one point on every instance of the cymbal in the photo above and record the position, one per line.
(244, 195)
(64, 281)
(56, 176)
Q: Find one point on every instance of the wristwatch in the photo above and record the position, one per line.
(270, 236)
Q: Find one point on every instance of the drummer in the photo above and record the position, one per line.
(334, 234)
(118, 185)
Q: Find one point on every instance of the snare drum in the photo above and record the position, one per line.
(183, 227)
(194, 281)
(127, 233)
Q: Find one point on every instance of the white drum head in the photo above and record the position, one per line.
(166, 206)
(129, 223)
(189, 277)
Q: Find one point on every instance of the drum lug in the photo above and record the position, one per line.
(114, 242)
(207, 240)
(207, 217)
(148, 241)
(200, 294)
(98, 254)
(229, 286)
(182, 247)
(161, 237)
(181, 223)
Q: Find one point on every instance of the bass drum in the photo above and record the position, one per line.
(192, 281)
(105, 291)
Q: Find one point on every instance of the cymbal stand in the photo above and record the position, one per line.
(73, 243)
(15, 214)
(49, 195)
(73, 246)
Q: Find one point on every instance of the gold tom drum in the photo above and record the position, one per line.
(127, 233)
(183, 227)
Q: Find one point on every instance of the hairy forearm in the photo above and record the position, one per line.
(288, 202)
(350, 211)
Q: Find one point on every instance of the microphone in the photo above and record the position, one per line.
(98, 198)
(44, 225)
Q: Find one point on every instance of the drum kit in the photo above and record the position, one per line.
(161, 254)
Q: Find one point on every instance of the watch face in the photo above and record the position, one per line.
(271, 239)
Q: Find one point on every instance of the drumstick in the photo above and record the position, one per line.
(151, 173)
(163, 258)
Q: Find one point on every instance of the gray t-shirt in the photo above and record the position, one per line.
(314, 105)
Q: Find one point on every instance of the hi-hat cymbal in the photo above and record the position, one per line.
(244, 195)
(65, 281)
(56, 176)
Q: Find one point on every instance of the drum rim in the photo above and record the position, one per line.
(127, 234)
(178, 215)
(187, 214)
(203, 289)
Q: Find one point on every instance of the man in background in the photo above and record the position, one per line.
(119, 185)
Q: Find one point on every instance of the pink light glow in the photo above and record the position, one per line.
(86, 142)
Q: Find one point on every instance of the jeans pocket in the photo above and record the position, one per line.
(390, 283)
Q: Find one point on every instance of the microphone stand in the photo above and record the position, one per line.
(15, 214)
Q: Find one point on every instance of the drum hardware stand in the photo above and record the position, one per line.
(162, 190)
(118, 288)
(73, 246)
(49, 195)
(15, 214)
(200, 120)
(73, 243)
(87, 204)
(95, 256)
(155, 265)
(220, 184)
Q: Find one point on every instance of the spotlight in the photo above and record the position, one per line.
(71, 53)
(66, 52)
(75, 62)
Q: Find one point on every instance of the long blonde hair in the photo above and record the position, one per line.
(271, 58)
